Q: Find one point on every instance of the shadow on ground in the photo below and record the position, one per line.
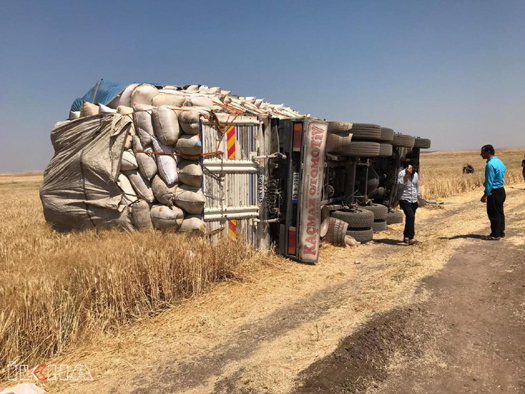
(464, 236)
(387, 241)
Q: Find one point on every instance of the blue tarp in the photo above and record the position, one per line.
(102, 93)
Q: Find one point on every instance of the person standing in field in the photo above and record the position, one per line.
(409, 199)
(494, 195)
(523, 165)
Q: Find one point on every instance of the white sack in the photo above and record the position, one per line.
(193, 88)
(129, 193)
(129, 142)
(164, 217)
(193, 223)
(124, 110)
(125, 96)
(88, 109)
(128, 162)
(129, 138)
(166, 164)
(140, 213)
(190, 121)
(169, 98)
(74, 115)
(141, 185)
(162, 191)
(103, 109)
(144, 94)
(204, 102)
(143, 123)
(190, 173)
(191, 199)
(166, 125)
(146, 162)
(189, 145)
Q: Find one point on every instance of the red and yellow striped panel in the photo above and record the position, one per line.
(231, 143)
(232, 229)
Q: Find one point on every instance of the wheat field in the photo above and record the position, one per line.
(58, 290)
(442, 176)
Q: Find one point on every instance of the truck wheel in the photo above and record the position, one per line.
(338, 127)
(361, 149)
(380, 211)
(359, 218)
(366, 132)
(387, 134)
(362, 235)
(394, 217)
(378, 194)
(379, 225)
(339, 142)
(403, 140)
(385, 150)
(422, 143)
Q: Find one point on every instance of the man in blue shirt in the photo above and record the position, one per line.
(494, 192)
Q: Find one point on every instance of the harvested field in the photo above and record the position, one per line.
(95, 298)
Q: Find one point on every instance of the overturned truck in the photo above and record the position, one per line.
(192, 158)
(188, 158)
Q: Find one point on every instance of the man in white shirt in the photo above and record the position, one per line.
(409, 195)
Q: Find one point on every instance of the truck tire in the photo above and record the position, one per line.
(379, 210)
(338, 127)
(362, 235)
(394, 217)
(372, 185)
(387, 134)
(385, 150)
(359, 218)
(361, 149)
(378, 194)
(422, 143)
(338, 142)
(379, 225)
(366, 132)
(403, 140)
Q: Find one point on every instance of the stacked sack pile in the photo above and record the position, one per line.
(159, 177)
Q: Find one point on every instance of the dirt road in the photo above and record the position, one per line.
(468, 336)
(445, 316)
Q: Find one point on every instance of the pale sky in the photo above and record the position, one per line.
(451, 71)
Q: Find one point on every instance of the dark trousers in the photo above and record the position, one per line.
(495, 212)
(409, 208)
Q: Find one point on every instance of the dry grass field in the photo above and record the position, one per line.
(59, 290)
(441, 172)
